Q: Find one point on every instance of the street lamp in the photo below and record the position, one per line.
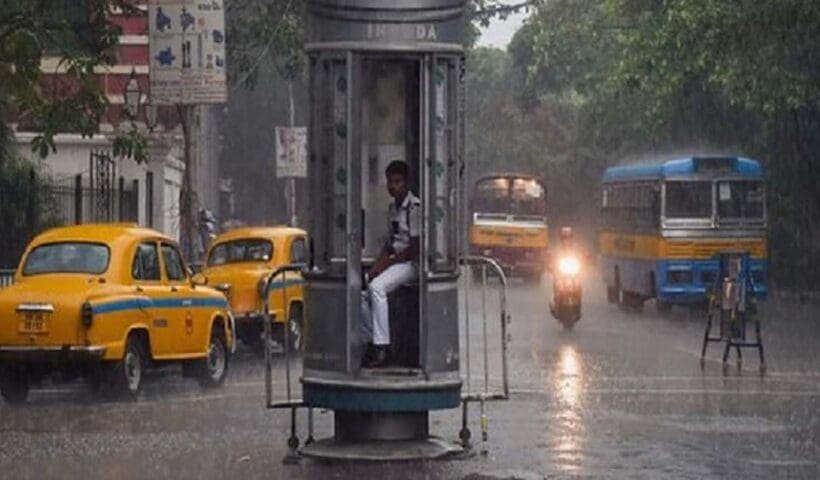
(151, 114)
(132, 95)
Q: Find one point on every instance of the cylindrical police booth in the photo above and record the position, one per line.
(385, 85)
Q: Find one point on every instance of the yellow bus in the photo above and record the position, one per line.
(508, 222)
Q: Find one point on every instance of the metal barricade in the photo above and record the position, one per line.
(486, 395)
(468, 396)
(732, 306)
(290, 402)
(6, 277)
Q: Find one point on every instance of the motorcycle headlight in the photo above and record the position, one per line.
(569, 266)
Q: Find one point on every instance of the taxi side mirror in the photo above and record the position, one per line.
(199, 280)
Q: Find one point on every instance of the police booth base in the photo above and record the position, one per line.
(385, 85)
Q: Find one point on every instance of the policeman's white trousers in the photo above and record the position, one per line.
(375, 309)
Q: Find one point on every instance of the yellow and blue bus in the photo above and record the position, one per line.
(509, 223)
(664, 223)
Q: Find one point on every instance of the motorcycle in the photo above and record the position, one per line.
(566, 301)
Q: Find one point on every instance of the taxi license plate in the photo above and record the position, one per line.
(34, 322)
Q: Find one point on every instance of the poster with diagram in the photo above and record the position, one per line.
(187, 51)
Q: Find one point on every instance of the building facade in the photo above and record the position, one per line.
(90, 185)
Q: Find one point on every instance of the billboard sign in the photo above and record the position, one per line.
(291, 152)
(187, 51)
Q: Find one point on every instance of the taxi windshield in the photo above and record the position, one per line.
(248, 250)
(67, 257)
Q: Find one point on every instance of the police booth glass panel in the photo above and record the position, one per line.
(330, 90)
(442, 171)
(329, 156)
(390, 132)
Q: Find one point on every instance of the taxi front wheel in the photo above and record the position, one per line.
(14, 386)
(211, 370)
(126, 375)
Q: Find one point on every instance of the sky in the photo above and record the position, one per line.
(499, 33)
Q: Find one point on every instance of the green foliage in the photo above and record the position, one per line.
(24, 208)
(262, 31)
(627, 79)
(81, 36)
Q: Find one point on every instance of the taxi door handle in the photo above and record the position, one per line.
(139, 289)
(174, 289)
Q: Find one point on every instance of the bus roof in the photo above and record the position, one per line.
(686, 166)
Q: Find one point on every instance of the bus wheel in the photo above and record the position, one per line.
(632, 301)
(533, 278)
(14, 385)
(663, 307)
(612, 295)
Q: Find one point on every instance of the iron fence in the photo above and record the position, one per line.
(80, 204)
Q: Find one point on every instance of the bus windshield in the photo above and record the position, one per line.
(510, 195)
(740, 199)
(689, 199)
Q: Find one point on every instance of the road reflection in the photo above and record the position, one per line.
(570, 430)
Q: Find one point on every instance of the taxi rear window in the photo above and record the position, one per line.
(67, 257)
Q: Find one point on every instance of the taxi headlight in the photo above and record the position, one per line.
(87, 314)
(569, 266)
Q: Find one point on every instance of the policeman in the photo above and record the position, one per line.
(395, 265)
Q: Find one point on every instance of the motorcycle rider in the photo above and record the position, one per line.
(568, 248)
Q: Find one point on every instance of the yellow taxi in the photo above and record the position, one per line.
(238, 263)
(106, 302)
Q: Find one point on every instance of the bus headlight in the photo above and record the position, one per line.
(569, 266)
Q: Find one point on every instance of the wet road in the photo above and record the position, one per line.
(621, 396)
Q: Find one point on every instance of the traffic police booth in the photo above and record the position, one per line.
(385, 85)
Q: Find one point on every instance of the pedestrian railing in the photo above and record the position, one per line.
(6, 277)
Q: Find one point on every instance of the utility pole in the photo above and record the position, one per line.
(291, 181)
(187, 223)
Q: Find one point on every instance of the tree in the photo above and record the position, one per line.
(653, 77)
(81, 35)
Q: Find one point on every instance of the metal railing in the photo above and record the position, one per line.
(6, 277)
(290, 402)
(482, 397)
(486, 395)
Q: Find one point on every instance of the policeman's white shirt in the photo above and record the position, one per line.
(404, 222)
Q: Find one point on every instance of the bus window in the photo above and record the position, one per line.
(740, 199)
(688, 200)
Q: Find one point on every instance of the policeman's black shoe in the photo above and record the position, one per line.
(380, 357)
(368, 353)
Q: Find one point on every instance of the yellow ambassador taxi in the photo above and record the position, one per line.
(105, 302)
(238, 263)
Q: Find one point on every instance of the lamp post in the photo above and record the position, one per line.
(151, 114)
(132, 94)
